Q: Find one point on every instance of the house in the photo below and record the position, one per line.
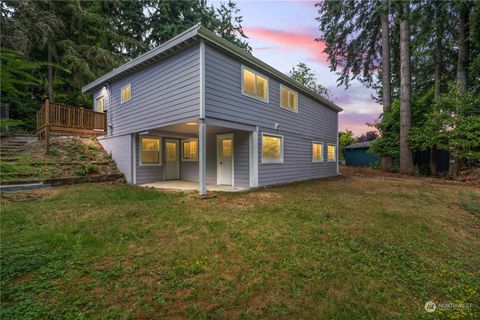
(357, 155)
(198, 108)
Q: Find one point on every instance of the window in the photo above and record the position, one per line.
(100, 104)
(288, 99)
(317, 151)
(126, 93)
(190, 150)
(254, 84)
(332, 154)
(150, 151)
(272, 148)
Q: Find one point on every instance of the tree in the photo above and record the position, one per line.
(386, 161)
(76, 41)
(406, 159)
(304, 75)
(345, 138)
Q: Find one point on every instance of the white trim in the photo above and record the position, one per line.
(220, 136)
(177, 157)
(338, 170)
(96, 100)
(181, 148)
(332, 144)
(267, 100)
(140, 151)
(323, 152)
(202, 157)
(121, 89)
(280, 100)
(134, 171)
(202, 78)
(254, 159)
(273, 161)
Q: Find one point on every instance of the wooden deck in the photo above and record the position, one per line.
(63, 119)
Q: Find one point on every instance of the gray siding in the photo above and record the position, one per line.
(241, 159)
(164, 93)
(121, 150)
(297, 163)
(146, 174)
(189, 170)
(313, 122)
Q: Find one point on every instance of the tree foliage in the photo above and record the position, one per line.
(305, 75)
(90, 38)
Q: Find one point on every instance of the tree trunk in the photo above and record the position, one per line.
(406, 161)
(461, 67)
(50, 62)
(438, 80)
(462, 50)
(387, 162)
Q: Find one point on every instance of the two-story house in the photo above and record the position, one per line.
(198, 108)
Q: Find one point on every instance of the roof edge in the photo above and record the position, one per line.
(212, 37)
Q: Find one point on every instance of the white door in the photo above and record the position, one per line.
(225, 159)
(172, 164)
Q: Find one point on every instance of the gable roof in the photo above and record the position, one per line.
(186, 38)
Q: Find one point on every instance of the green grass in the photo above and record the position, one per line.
(348, 248)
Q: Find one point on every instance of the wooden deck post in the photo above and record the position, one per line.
(81, 118)
(47, 125)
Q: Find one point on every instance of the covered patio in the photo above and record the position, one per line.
(182, 185)
(197, 155)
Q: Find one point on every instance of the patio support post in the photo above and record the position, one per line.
(202, 157)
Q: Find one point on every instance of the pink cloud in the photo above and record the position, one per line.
(289, 41)
(357, 122)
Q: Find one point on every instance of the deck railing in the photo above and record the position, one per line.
(56, 117)
(60, 116)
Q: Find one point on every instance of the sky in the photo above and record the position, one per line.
(282, 33)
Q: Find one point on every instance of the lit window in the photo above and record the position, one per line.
(332, 154)
(150, 151)
(190, 150)
(126, 93)
(317, 151)
(272, 148)
(100, 104)
(171, 150)
(227, 147)
(288, 99)
(255, 85)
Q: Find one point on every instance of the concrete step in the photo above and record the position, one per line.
(23, 187)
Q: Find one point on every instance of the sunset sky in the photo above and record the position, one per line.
(282, 34)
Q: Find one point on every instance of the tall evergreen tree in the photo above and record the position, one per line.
(406, 160)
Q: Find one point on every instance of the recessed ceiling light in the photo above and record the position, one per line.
(191, 123)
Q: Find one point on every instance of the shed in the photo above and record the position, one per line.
(356, 155)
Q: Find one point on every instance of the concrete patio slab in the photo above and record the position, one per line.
(182, 185)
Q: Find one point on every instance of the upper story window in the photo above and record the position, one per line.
(254, 84)
(272, 148)
(317, 151)
(126, 93)
(150, 151)
(332, 152)
(190, 150)
(100, 104)
(288, 99)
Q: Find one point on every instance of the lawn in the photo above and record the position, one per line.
(344, 248)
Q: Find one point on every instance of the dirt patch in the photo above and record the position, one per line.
(31, 195)
(473, 179)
